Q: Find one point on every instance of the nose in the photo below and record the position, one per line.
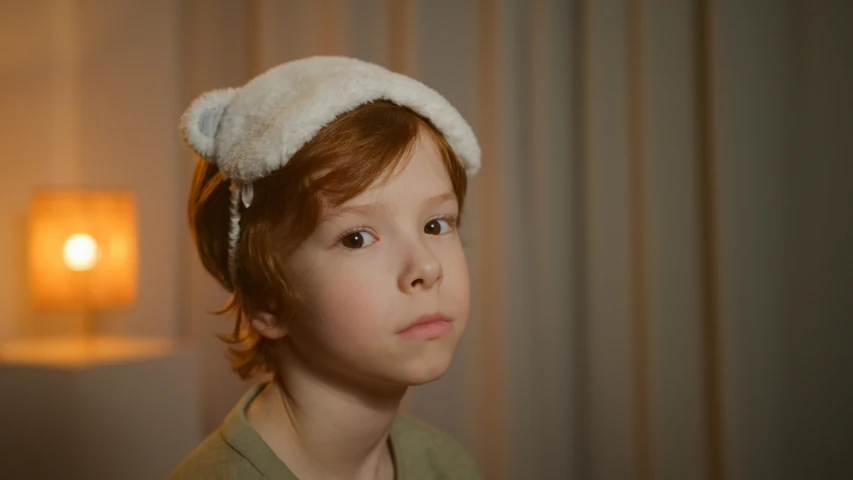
(422, 269)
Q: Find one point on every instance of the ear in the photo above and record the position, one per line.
(200, 121)
(269, 325)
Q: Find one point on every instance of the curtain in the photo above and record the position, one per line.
(652, 173)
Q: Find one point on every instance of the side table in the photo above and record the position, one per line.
(105, 408)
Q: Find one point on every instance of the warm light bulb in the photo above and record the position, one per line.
(80, 252)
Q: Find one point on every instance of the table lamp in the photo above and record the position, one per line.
(87, 398)
(82, 251)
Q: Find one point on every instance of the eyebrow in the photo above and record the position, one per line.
(370, 207)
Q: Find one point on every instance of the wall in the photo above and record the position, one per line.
(90, 93)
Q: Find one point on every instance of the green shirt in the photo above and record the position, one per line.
(236, 451)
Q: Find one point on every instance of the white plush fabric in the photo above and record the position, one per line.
(253, 130)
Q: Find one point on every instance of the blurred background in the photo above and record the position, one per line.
(659, 240)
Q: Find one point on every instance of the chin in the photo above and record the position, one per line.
(424, 370)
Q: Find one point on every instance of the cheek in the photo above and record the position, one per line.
(349, 301)
(347, 307)
(456, 285)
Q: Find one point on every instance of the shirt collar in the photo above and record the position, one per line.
(238, 433)
(245, 440)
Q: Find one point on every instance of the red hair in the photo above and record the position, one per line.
(343, 160)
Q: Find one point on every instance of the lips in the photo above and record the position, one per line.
(427, 327)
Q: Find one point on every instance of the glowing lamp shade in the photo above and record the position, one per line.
(82, 249)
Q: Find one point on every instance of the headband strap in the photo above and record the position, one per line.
(234, 230)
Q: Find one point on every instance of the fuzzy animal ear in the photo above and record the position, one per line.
(200, 121)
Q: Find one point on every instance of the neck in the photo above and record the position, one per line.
(322, 426)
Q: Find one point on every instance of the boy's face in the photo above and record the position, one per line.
(376, 265)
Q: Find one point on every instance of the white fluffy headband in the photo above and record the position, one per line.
(253, 130)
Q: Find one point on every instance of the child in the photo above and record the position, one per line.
(328, 202)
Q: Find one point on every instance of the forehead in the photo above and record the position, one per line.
(421, 175)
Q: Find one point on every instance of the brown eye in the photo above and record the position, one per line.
(436, 227)
(357, 240)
